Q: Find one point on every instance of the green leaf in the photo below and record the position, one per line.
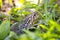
(30, 35)
(55, 24)
(23, 37)
(4, 29)
(43, 26)
(11, 36)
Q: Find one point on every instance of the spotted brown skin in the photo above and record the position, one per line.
(26, 24)
(28, 21)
